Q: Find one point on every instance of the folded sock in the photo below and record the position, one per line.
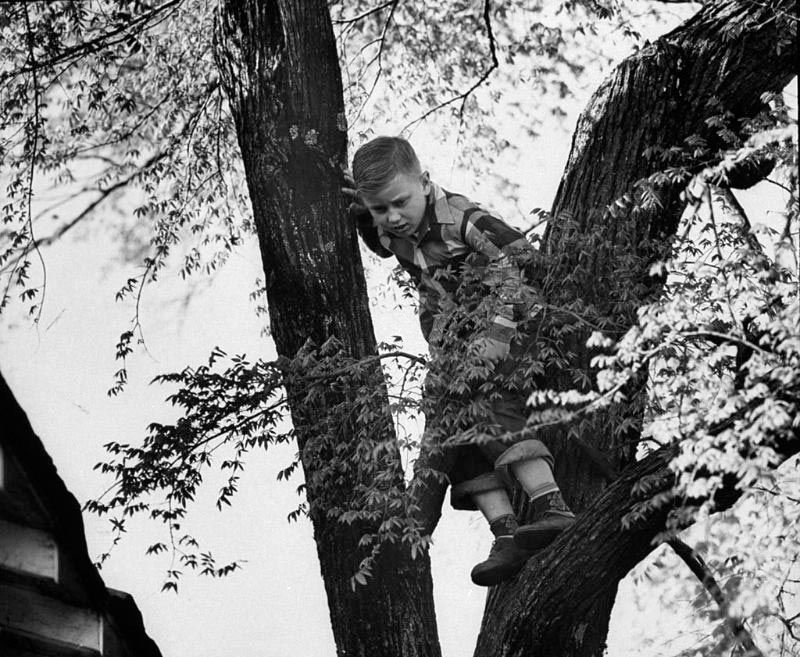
(504, 525)
(552, 504)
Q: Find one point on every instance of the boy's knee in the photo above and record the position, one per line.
(525, 450)
(462, 492)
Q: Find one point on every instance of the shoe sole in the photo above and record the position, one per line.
(494, 577)
(536, 538)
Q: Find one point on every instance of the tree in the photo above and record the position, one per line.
(289, 124)
(278, 69)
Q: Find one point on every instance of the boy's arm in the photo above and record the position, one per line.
(369, 234)
(507, 249)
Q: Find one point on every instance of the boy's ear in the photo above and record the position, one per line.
(425, 179)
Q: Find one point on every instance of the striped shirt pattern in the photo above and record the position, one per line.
(452, 228)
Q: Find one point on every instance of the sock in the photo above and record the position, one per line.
(504, 525)
(550, 504)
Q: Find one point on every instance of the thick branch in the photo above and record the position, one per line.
(551, 607)
(279, 68)
(700, 570)
(662, 95)
(654, 100)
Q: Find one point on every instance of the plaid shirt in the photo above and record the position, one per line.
(452, 228)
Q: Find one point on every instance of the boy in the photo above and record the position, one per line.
(399, 211)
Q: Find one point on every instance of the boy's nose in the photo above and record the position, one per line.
(394, 217)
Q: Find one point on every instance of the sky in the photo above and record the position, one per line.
(61, 369)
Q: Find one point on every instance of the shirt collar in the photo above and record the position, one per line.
(437, 199)
(437, 211)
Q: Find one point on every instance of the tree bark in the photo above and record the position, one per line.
(561, 603)
(554, 607)
(279, 65)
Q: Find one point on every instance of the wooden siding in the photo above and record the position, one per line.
(28, 611)
(28, 550)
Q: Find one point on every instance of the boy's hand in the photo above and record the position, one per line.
(349, 190)
(491, 349)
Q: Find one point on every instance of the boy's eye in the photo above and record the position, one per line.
(401, 203)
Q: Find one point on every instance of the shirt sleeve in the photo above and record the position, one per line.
(507, 249)
(369, 234)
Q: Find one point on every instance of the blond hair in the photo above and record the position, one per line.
(378, 161)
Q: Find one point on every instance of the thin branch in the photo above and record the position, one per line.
(104, 194)
(379, 56)
(464, 96)
(696, 564)
(721, 338)
(93, 45)
(124, 135)
(363, 15)
(732, 202)
(194, 120)
(34, 141)
(777, 184)
(364, 361)
(790, 627)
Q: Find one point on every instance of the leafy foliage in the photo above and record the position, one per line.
(721, 346)
(107, 84)
(105, 89)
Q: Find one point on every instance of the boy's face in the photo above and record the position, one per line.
(400, 205)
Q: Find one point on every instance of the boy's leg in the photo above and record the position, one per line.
(476, 486)
(530, 463)
(551, 515)
(505, 559)
(494, 504)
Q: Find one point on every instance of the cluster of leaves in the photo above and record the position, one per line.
(226, 415)
(351, 437)
(231, 406)
(99, 98)
(721, 350)
(538, 55)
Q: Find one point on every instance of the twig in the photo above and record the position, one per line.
(379, 56)
(34, 140)
(463, 96)
(363, 15)
(92, 45)
(730, 199)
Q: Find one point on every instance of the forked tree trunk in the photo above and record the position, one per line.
(279, 65)
(732, 52)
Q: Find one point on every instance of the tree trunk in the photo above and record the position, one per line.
(279, 65)
(730, 52)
